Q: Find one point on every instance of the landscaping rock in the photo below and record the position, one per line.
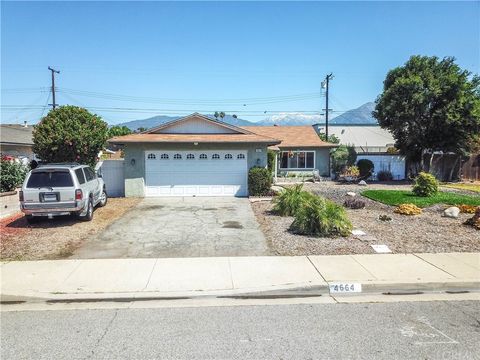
(362, 183)
(351, 193)
(452, 212)
(277, 189)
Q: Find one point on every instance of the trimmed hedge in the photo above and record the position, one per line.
(259, 181)
(366, 167)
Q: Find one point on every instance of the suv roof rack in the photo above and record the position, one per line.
(69, 164)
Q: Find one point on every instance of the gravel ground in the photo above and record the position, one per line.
(428, 232)
(56, 238)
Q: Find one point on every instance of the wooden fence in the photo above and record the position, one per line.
(450, 167)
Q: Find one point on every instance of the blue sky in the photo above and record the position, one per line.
(239, 57)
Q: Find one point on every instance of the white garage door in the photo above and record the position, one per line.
(196, 173)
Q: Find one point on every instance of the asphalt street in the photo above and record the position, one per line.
(404, 330)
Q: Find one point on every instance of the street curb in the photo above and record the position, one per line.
(290, 291)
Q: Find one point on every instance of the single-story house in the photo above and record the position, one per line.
(371, 142)
(16, 140)
(199, 156)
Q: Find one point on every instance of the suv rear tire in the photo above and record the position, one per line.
(89, 215)
(32, 219)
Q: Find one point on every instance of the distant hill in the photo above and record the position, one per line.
(162, 119)
(360, 115)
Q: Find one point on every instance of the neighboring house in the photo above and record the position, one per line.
(300, 149)
(16, 140)
(199, 156)
(370, 142)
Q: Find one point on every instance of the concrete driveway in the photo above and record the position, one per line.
(181, 227)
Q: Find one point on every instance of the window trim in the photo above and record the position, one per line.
(228, 156)
(299, 151)
(241, 156)
(177, 156)
(164, 156)
(203, 156)
(215, 156)
(151, 156)
(190, 156)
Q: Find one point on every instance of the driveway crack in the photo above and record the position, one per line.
(97, 344)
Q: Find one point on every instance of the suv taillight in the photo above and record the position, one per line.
(78, 194)
(20, 195)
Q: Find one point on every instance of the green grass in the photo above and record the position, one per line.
(397, 197)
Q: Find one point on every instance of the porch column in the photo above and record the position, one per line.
(275, 167)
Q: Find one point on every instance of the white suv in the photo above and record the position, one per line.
(62, 189)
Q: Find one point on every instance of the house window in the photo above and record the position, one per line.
(190, 156)
(297, 160)
(151, 157)
(164, 157)
(240, 156)
(203, 156)
(228, 156)
(215, 156)
(177, 156)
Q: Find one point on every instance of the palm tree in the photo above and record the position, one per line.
(222, 115)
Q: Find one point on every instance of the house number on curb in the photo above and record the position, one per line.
(345, 287)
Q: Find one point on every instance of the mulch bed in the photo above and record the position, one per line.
(428, 232)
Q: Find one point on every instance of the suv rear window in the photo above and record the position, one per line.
(54, 178)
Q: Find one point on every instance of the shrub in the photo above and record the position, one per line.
(425, 185)
(408, 209)
(354, 203)
(467, 209)
(384, 175)
(259, 181)
(343, 156)
(12, 174)
(289, 200)
(271, 160)
(70, 134)
(321, 217)
(351, 171)
(366, 167)
(475, 220)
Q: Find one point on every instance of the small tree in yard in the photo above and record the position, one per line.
(12, 174)
(430, 105)
(70, 134)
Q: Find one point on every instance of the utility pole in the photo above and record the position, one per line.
(326, 85)
(53, 85)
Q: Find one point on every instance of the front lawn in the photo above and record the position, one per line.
(397, 197)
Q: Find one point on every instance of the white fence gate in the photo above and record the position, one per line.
(113, 176)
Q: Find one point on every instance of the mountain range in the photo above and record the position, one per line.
(360, 115)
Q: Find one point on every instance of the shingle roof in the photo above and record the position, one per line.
(16, 134)
(191, 138)
(291, 136)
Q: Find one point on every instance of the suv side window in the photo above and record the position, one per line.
(80, 176)
(89, 174)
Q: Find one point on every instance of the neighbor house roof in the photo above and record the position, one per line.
(363, 137)
(194, 138)
(291, 136)
(14, 134)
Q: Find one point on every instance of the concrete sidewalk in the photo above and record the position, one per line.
(236, 276)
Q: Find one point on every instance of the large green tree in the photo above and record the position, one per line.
(430, 105)
(118, 131)
(70, 134)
